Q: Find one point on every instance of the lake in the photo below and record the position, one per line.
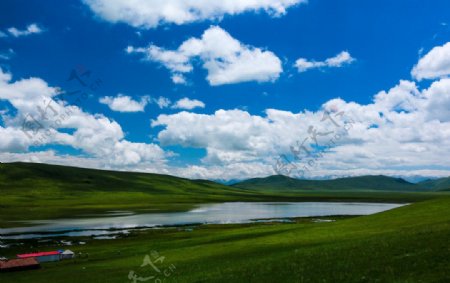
(220, 213)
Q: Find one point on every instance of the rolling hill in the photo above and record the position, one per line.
(441, 184)
(37, 191)
(38, 176)
(360, 183)
(41, 191)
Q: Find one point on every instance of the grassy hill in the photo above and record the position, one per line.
(41, 191)
(30, 191)
(361, 183)
(441, 184)
(37, 176)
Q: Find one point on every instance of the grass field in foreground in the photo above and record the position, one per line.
(408, 244)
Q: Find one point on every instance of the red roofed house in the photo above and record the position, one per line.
(19, 264)
(43, 256)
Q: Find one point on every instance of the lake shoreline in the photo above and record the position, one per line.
(223, 213)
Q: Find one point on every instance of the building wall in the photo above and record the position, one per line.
(67, 256)
(48, 258)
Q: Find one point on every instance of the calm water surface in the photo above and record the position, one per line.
(221, 213)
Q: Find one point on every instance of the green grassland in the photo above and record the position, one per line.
(36, 191)
(407, 244)
(39, 191)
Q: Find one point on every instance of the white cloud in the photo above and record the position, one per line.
(230, 135)
(437, 98)
(150, 14)
(403, 132)
(51, 157)
(123, 103)
(40, 119)
(435, 64)
(178, 79)
(226, 59)
(30, 29)
(189, 104)
(176, 61)
(233, 171)
(341, 59)
(162, 102)
(125, 153)
(13, 140)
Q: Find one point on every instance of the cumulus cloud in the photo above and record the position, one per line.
(231, 135)
(233, 171)
(51, 157)
(435, 64)
(150, 14)
(189, 104)
(227, 60)
(40, 118)
(403, 132)
(341, 59)
(123, 103)
(30, 29)
(438, 100)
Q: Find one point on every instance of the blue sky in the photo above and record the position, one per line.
(383, 40)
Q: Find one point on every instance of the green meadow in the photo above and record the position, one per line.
(407, 244)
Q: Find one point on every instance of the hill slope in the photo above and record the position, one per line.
(33, 191)
(441, 184)
(361, 183)
(37, 176)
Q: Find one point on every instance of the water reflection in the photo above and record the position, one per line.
(231, 212)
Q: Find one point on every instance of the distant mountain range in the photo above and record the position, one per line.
(30, 176)
(367, 183)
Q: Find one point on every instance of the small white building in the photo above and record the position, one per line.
(67, 254)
